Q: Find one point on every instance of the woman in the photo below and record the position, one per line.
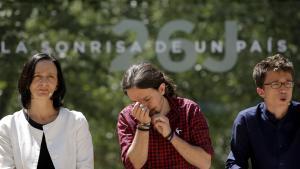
(44, 134)
(160, 130)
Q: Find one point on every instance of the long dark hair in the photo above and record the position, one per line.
(144, 76)
(26, 78)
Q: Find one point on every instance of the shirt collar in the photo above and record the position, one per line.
(174, 109)
(270, 116)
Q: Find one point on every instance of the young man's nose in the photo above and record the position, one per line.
(144, 103)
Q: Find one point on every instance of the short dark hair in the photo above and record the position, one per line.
(145, 75)
(277, 62)
(26, 78)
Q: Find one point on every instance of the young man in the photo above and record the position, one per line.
(160, 130)
(268, 133)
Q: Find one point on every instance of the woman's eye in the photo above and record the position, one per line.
(36, 76)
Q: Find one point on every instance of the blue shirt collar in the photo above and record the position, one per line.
(267, 115)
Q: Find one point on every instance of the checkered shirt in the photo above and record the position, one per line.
(188, 122)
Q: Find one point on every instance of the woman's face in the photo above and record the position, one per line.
(44, 80)
(151, 98)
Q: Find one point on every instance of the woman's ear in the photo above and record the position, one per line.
(260, 92)
(162, 89)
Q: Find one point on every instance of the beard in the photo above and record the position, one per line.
(153, 112)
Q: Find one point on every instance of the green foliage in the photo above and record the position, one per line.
(95, 90)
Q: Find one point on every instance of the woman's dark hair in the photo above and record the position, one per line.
(26, 78)
(277, 62)
(145, 76)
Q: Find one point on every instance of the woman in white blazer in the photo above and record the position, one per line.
(44, 134)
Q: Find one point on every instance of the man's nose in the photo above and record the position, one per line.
(144, 103)
(283, 89)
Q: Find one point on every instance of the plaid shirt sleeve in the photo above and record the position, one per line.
(199, 130)
(126, 135)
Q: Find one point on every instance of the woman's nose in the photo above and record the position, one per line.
(44, 80)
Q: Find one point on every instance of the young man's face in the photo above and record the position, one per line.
(277, 89)
(151, 98)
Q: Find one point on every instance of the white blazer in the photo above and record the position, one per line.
(68, 139)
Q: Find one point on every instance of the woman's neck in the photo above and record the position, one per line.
(42, 112)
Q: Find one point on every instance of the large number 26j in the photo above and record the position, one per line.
(122, 61)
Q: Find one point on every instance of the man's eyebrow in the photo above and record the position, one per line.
(146, 97)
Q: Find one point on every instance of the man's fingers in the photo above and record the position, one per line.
(160, 118)
(135, 108)
(141, 113)
(159, 127)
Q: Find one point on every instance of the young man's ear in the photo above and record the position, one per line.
(162, 89)
(260, 92)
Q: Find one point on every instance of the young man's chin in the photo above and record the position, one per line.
(284, 102)
(152, 113)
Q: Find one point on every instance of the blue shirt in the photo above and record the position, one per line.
(268, 142)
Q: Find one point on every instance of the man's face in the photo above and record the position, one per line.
(151, 98)
(277, 89)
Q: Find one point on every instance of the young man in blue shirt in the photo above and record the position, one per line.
(268, 133)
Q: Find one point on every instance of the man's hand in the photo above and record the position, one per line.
(141, 113)
(161, 124)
